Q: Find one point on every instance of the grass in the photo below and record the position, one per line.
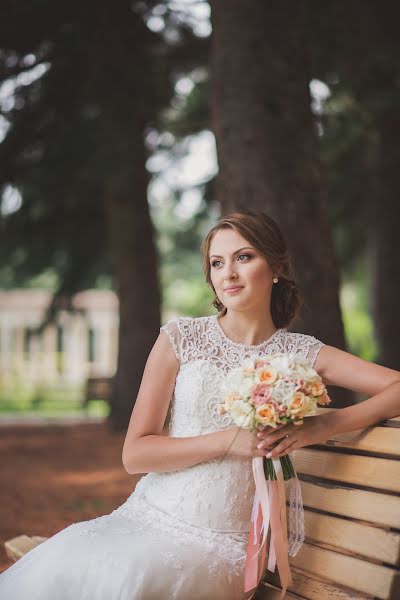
(49, 403)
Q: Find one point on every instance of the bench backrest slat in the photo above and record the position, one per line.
(375, 507)
(351, 495)
(363, 471)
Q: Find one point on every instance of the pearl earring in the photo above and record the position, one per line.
(275, 280)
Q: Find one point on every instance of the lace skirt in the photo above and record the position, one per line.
(137, 552)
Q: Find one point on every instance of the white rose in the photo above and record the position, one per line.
(232, 381)
(245, 387)
(300, 371)
(282, 363)
(242, 414)
(305, 370)
(248, 363)
(312, 374)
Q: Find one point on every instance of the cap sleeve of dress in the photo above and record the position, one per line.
(314, 347)
(173, 331)
(305, 345)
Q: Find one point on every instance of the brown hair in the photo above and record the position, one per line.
(264, 234)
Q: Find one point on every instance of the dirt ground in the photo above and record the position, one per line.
(55, 475)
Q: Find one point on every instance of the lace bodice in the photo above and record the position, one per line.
(216, 494)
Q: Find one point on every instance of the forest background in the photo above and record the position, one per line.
(128, 128)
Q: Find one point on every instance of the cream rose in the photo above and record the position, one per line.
(230, 399)
(248, 367)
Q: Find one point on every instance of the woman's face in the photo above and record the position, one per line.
(240, 274)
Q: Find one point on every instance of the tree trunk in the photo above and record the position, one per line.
(268, 146)
(386, 237)
(367, 55)
(136, 268)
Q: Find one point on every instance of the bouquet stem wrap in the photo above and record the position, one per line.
(269, 517)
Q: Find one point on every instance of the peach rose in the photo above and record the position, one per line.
(266, 415)
(298, 403)
(266, 375)
(317, 388)
(306, 388)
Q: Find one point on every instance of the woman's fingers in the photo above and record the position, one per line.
(270, 438)
(283, 448)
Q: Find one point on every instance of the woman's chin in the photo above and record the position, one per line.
(236, 303)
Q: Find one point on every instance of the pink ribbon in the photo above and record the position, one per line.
(268, 513)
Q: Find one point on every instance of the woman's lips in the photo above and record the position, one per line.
(233, 289)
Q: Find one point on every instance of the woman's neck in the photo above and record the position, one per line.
(247, 329)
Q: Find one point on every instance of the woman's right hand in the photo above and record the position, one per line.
(242, 442)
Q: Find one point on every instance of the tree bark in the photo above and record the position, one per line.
(136, 269)
(386, 286)
(366, 59)
(267, 145)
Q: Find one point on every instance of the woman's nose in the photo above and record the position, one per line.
(230, 272)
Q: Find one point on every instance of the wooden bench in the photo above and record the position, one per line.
(350, 487)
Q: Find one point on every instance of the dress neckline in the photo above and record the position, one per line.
(239, 344)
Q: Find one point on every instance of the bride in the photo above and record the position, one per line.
(182, 534)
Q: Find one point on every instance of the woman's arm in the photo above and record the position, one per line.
(340, 368)
(145, 448)
(382, 384)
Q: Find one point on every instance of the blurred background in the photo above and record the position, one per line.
(126, 130)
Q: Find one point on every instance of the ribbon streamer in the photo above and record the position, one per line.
(269, 516)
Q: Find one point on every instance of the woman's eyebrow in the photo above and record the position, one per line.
(236, 251)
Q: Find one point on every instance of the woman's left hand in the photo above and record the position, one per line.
(285, 439)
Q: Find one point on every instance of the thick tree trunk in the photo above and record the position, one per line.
(268, 145)
(367, 62)
(136, 267)
(386, 281)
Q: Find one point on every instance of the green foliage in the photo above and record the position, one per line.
(179, 240)
(188, 297)
(189, 113)
(72, 129)
(357, 319)
(19, 397)
(345, 149)
(358, 327)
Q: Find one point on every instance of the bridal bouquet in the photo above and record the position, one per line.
(271, 390)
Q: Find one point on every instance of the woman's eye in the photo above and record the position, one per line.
(216, 263)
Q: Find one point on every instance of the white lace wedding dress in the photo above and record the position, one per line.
(180, 535)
